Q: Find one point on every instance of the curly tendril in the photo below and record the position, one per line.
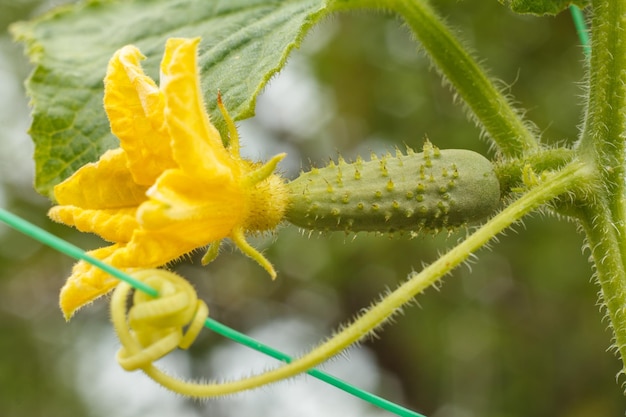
(154, 326)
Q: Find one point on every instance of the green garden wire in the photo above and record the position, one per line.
(75, 252)
(581, 28)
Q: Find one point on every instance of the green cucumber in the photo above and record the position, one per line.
(426, 191)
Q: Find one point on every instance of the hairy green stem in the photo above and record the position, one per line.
(602, 138)
(603, 131)
(553, 186)
(501, 122)
(602, 147)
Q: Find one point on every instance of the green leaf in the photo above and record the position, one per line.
(542, 7)
(244, 42)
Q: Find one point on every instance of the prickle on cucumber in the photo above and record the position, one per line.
(428, 191)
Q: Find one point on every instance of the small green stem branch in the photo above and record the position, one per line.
(495, 113)
(510, 171)
(553, 186)
(602, 146)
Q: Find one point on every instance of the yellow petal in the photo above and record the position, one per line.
(145, 250)
(87, 282)
(196, 143)
(150, 249)
(135, 107)
(103, 184)
(202, 209)
(114, 225)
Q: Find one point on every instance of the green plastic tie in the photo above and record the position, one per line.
(581, 28)
(75, 252)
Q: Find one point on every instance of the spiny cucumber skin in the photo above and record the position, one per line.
(419, 192)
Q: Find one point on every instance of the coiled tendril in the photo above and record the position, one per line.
(154, 326)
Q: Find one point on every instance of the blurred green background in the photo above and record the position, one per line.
(517, 333)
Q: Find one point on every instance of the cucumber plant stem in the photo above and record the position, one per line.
(602, 147)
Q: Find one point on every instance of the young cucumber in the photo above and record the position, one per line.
(424, 191)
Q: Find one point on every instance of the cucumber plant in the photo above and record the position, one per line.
(584, 182)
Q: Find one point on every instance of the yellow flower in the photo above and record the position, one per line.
(173, 185)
